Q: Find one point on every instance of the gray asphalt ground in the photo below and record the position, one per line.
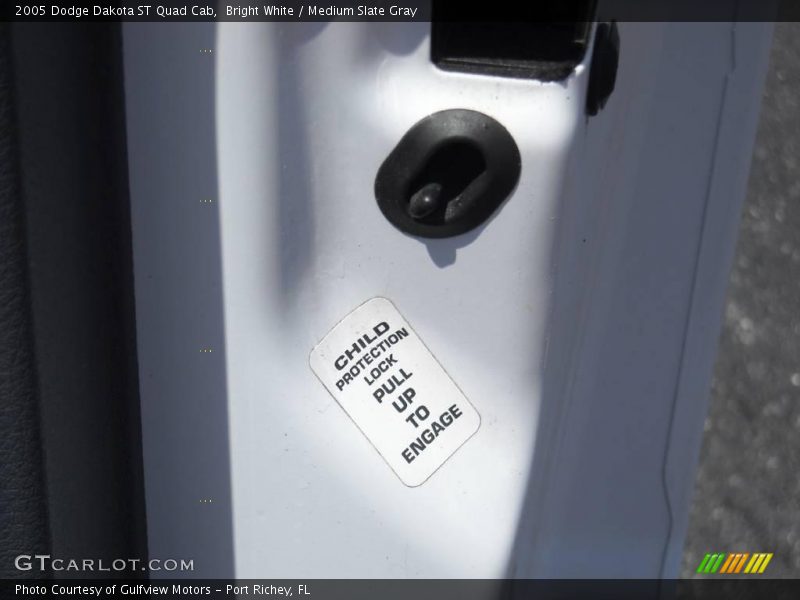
(747, 491)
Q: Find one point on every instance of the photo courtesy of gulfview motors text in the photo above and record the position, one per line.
(141, 590)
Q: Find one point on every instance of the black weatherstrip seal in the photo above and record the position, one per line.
(73, 181)
(23, 509)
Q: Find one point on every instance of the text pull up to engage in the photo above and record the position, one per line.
(396, 392)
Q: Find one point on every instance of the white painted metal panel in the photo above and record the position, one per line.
(580, 320)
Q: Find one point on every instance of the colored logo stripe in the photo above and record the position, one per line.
(727, 564)
(703, 564)
(758, 563)
(734, 563)
(740, 564)
(710, 563)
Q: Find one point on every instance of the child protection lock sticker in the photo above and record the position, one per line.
(396, 392)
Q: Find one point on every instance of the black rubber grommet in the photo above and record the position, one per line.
(448, 174)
